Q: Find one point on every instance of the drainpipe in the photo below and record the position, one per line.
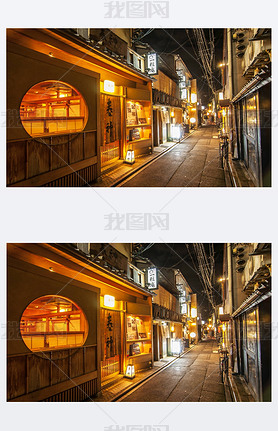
(233, 150)
(230, 62)
(231, 302)
(230, 277)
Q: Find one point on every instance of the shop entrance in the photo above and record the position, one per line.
(110, 113)
(111, 346)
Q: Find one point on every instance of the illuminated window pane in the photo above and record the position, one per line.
(53, 322)
(53, 107)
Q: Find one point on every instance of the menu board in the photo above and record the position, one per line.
(131, 118)
(141, 116)
(135, 113)
(135, 328)
(131, 328)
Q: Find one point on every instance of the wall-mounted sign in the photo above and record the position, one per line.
(184, 309)
(109, 86)
(152, 278)
(152, 63)
(193, 98)
(109, 301)
(193, 313)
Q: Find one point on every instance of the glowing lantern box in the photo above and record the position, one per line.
(130, 372)
(109, 86)
(129, 158)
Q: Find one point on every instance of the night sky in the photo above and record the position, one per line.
(178, 256)
(182, 41)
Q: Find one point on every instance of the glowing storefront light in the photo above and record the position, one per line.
(130, 372)
(175, 346)
(109, 301)
(109, 86)
(175, 131)
(130, 158)
(53, 322)
(53, 107)
(193, 98)
(193, 312)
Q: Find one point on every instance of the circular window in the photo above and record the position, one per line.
(53, 322)
(51, 108)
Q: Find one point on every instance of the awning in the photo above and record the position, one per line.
(255, 83)
(257, 296)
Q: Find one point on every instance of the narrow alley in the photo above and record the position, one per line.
(192, 163)
(193, 377)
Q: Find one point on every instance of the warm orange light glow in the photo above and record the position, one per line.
(53, 322)
(53, 107)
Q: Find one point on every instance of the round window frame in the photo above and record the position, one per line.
(86, 330)
(66, 132)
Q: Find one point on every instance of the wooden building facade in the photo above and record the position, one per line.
(68, 109)
(72, 324)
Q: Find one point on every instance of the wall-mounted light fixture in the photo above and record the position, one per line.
(109, 86)
(109, 301)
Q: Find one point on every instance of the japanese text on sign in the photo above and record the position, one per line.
(152, 63)
(152, 278)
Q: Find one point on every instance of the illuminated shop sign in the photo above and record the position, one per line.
(109, 86)
(175, 346)
(193, 98)
(152, 63)
(193, 313)
(152, 278)
(109, 301)
(183, 308)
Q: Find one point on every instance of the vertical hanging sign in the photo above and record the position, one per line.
(152, 278)
(152, 63)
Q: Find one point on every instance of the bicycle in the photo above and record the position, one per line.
(223, 364)
(223, 149)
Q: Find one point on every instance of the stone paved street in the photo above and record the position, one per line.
(192, 163)
(192, 378)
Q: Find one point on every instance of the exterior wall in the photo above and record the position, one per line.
(45, 375)
(165, 299)
(26, 157)
(247, 298)
(36, 270)
(166, 85)
(248, 118)
(51, 160)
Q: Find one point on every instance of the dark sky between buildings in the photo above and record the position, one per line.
(183, 42)
(182, 256)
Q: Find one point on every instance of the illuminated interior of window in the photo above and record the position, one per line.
(53, 107)
(138, 335)
(53, 322)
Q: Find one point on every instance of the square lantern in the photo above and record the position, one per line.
(130, 372)
(129, 158)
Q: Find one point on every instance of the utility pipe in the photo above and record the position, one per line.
(230, 278)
